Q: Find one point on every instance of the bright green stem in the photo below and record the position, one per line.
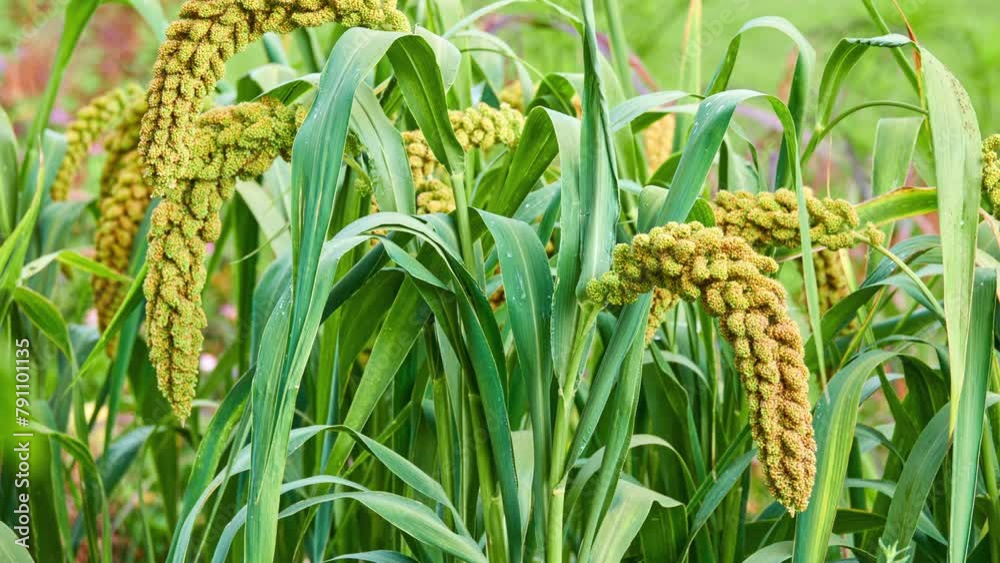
(445, 440)
(619, 45)
(493, 517)
(989, 461)
(561, 438)
(460, 185)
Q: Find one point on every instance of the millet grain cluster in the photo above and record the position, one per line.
(90, 123)
(228, 143)
(730, 281)
(193, 59)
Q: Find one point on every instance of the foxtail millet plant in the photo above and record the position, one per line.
(234, 142)
(771, 220)
(481, 127)
(193, 59)
(831, 279)
(659, 141)
(991, 171)
(730, 280)
(121, 211)
(90, 123)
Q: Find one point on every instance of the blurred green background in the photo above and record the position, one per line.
(962, 33)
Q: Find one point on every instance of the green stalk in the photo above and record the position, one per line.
(619, 45)
(461, 185)
(989, 461)
(561, 438)
(493, 516)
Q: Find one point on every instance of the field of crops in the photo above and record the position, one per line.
(522, 281)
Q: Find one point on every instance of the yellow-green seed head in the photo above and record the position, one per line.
(227, 143)
(90, 123)
(730, 281)
(481, 127)
(434, 196)
(830, 279)
(663, 302)
(659, 141)
(122, 209)
(991, 172)
(423, 163)
(193, 59)
(513, 95)
(484, 126)
(772, 220)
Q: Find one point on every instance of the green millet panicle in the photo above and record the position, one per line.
(772, 219)
(663, 302)
(206, 35)
(831, 279)
(228, 143)
(434, 196)
(121, 142)
(991, 171)
(483, 126)
(512, 94)
(730, 280)
(423, 163)
(90, 123)
(122, 210)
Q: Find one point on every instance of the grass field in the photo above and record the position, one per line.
(548, 281)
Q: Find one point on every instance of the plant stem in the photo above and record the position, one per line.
(561, 438)
(460, 184)
(493, 516)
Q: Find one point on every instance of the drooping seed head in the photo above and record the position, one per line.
(91, 122)
(772, 219)
(228, 143)
(193, 59)
(991, 172)
(730, 281)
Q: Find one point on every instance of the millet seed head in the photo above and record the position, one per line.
(771, 219)
(730, 281)
(90, 123)
(193, 59)
(659, 141)
(122, 209)
(227, 143)
(991, 172)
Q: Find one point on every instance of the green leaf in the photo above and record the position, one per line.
(404, 323)
(628, 511)
(972, 410)
(957, 162)
(75, 260)
(915, 482)
(409, 516)
(899, 204)
(598, 183)
(390, 168)
(834, 422)
(380, 556)
(527, 283)
(44, 315)
(316, 167)
(10, 550)
(8, 175)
